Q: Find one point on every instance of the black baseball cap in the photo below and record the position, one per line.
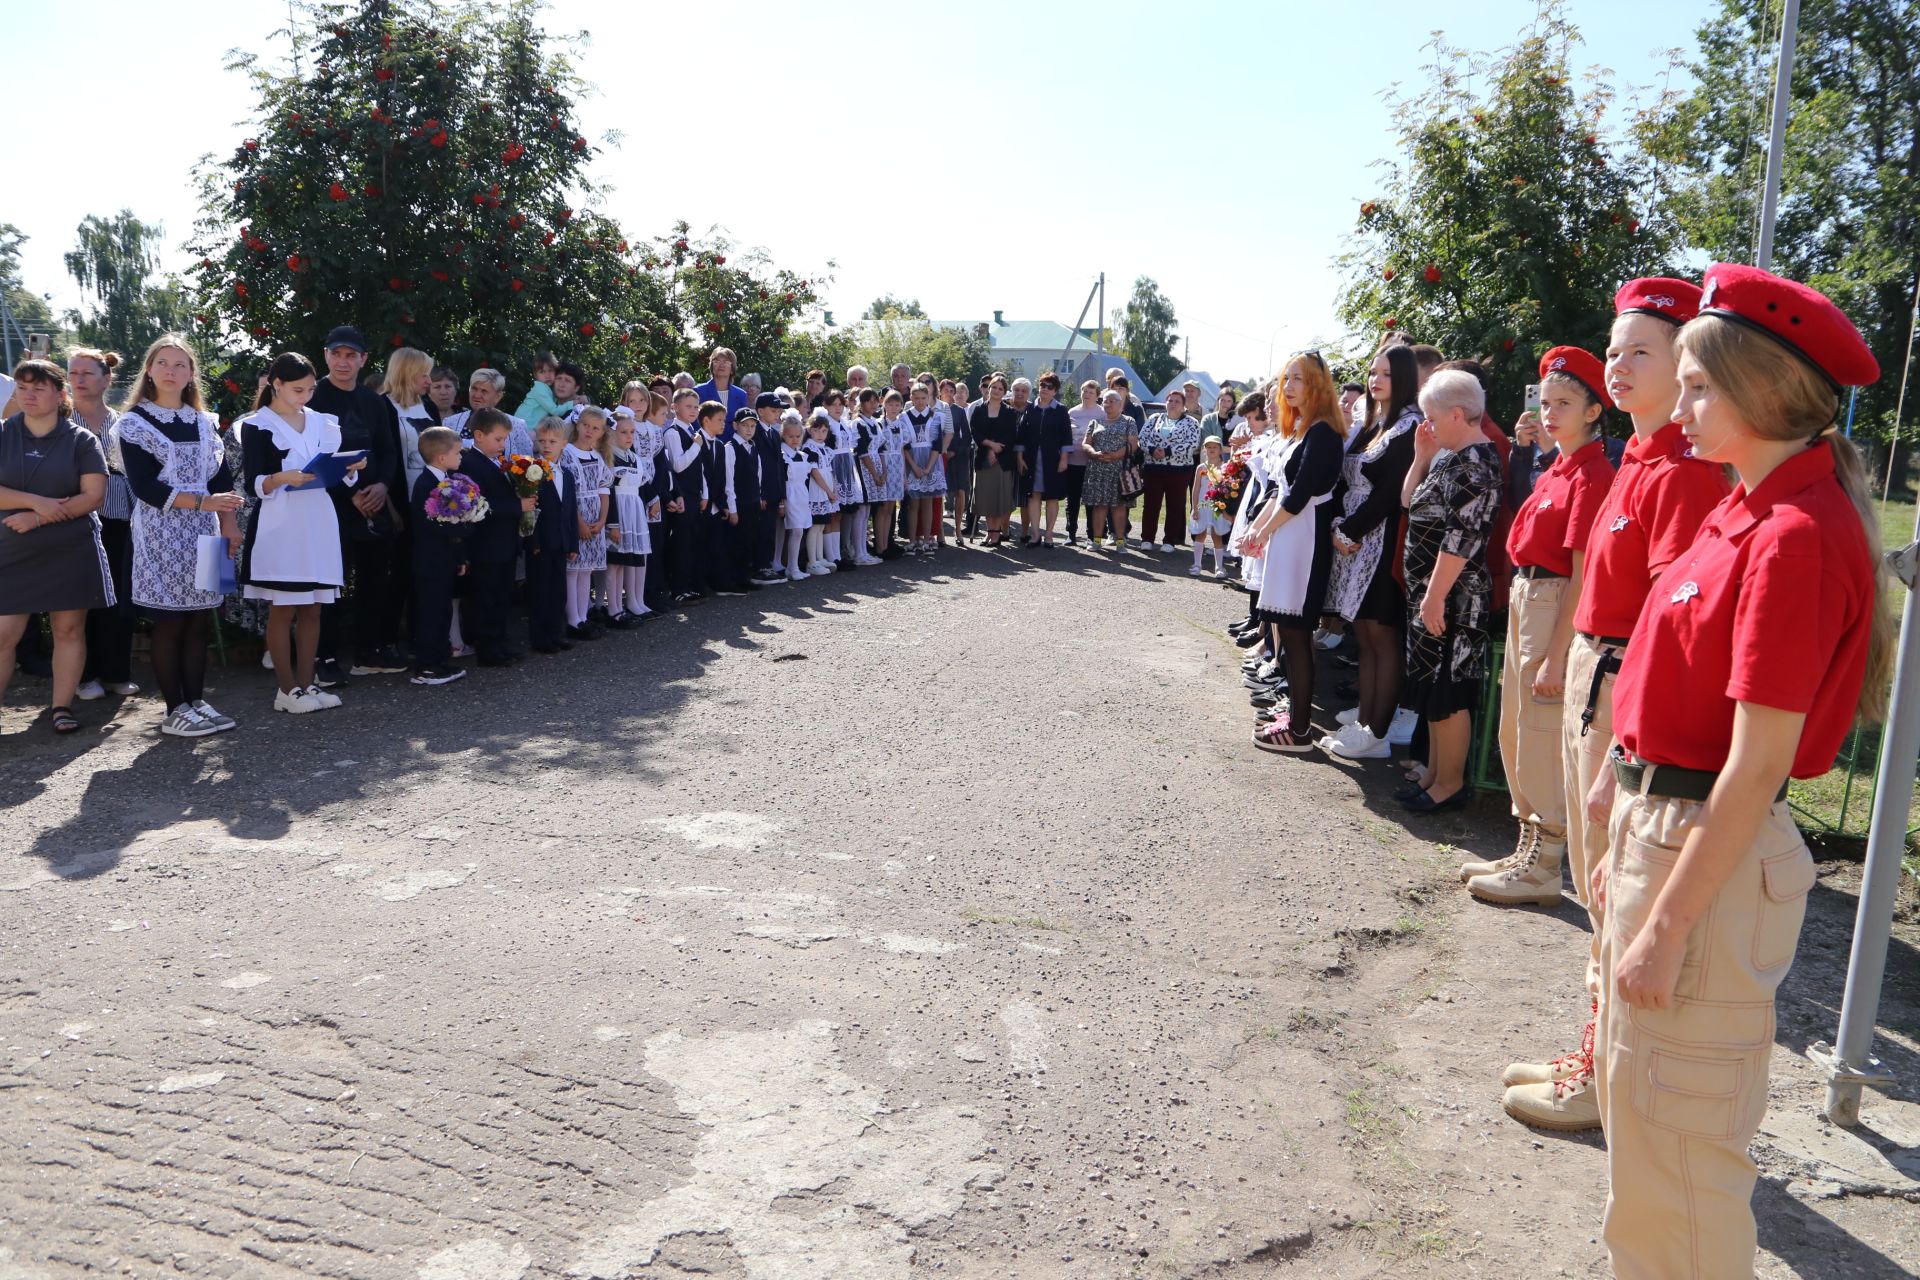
(345, 335)
(772, 400)
(744, 415)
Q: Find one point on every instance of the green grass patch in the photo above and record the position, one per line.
(1015, 922)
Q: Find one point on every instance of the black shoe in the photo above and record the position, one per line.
(729, 591)
(438, 675)
(1267, 699)
(381, 662)
(1248, 639)
(1346, 689)
(1423, 802)
(499, 658)
(548, 650)
(893, 552)
(328, 675)
(625, 622)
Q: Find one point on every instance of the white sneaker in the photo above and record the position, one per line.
(1268, 670)
(90, 691)
(219, 720)
(826, 566)
(327, 701)
(796, 577)
(1356, 742)
(867, 562)
(1400, 732)
(1350, 716)
(266, 660)
(819, 569)
(1327, 639)
(184, 722)
(295, 702)
(1166, 546)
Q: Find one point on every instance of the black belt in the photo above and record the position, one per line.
(1617, 642)
(1667, 780)
(1608, 664)
(1535, 571)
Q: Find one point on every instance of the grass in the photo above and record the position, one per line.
(1015, 922)
(1896, 523)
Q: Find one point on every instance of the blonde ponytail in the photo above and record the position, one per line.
(1884, 638)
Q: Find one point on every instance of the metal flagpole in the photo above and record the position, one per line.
(1782, 83)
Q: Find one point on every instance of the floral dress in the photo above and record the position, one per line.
(1452, 513)
(924, 433)
(593, 484)
(1102, 488)
(889, 454)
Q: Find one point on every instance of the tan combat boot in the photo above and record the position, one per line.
(1564, 1067)
(1535, 880)
(1529, 836)
(1565, 1106)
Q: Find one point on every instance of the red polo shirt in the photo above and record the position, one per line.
(1559, 513)
(1650, 516)
(1771, 605)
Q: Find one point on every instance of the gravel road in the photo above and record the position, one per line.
(926, 918)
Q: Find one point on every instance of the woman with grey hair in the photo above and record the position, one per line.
(1452, 494)
(1110, 440)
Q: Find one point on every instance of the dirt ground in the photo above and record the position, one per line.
(932, 918)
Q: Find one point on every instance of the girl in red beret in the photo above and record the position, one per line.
(1757, 647)
(1650, 515)
(1546, 545)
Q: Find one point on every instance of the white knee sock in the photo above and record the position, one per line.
(794, 538)
(1198, 550)
(833, 545)
(814, 536)
(857, 532)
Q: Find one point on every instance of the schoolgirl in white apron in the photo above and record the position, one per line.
(291, 555)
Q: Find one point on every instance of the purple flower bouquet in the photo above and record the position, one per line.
(456, 501)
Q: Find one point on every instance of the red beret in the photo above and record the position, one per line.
(1663, 296)
(1583, 367)
(1798, 318)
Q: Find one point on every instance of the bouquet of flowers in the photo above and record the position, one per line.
(1224, 493)
(456, 501)
(527, 475)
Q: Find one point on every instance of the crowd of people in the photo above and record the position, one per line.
(377, 524)
(1690, 620)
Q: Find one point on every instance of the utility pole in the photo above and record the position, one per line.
(1776, 147)
(1100, 320)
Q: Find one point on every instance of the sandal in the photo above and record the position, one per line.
(1278, 737)
(63, 720)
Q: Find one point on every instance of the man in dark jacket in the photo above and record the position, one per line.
(372, 518)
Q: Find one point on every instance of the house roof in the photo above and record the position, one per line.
(1094, 365)
(1025, 335)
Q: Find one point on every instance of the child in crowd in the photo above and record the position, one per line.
(841, 438)
(747, 478)
(541, 403)
(589, 456)
(554, 545)
(628, 544)
(439, 559)
(650, 439)
(825, 506)
(803, 475)
(493, 544)
(721, 514)
(1205, 525)
(864, 426)
(927, 483)
(686, 496)
(291, 556)
(887, 469)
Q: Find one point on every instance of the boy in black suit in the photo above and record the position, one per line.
(773, 486)
(553, 544)
(744, 538)
(492, 544)
(686, 503)
(722, 516)
(439, 557)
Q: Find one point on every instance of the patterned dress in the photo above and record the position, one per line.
(166, 541)
(632, 474)
(889, 454)
(821, 504)
(593, 483)
(1452, 513)
(923, 438)
(1102, 487)
(844, 436)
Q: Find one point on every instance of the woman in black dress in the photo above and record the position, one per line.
(1293, 536)
(994, 427)
(1046, 434)
(1452, 498)
(53, 478)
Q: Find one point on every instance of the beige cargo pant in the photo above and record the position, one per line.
(1682, 1090)
(1530, 729)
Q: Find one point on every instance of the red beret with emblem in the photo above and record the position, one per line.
(1675, 301)
(1800, 319)
(1582, 366)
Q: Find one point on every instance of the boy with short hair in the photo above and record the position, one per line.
(439, 558)
(686, 500)
(552, 546)
(494, 543)
(722, 513)
(746, 476)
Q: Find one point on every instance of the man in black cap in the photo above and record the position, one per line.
(372, 526)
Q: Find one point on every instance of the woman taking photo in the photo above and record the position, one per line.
(995, 428)
(174, 459)
(1451, 498)
(1292, 537)
(1109, 443)
(1547, 547)
(1756, 648)
(53, 478)
(1363, 588)
(109, 630)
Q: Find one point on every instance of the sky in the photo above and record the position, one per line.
(996, 155)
